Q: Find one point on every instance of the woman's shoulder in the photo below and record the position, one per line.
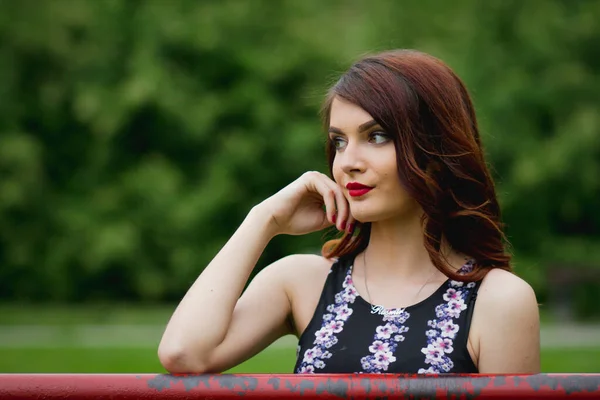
(307, 259)
(297, 273)
(504, 292)
(302, 270)
(301, 265)
(290, 270)
(506, 326)
(303, 275)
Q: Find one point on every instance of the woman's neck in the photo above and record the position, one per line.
(396, 249)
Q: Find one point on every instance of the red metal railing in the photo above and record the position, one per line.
(267, 386)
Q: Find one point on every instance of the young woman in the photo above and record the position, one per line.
(419, 281)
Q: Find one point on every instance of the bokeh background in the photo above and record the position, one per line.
(136, 135)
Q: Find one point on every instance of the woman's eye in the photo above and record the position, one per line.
(338, 142)
(379, 137)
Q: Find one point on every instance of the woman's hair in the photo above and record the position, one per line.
(426, 108)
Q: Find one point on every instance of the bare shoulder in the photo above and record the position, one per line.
(506, 325)
(304, 279)
(296, 270)
(306, 260)
(297, 263)
(302, 266)
(503, 290)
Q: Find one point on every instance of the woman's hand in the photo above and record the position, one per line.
(297, 209)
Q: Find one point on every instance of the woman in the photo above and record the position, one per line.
(422, 240)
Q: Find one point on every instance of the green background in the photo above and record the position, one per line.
(136, 135)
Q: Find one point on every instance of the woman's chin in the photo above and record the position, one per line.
(367, 214)
(364, 218)
(370, 216)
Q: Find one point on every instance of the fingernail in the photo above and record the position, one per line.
(344, 225)
(333, 218)
(351, 228)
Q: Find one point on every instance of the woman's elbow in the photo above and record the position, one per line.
(176, 360)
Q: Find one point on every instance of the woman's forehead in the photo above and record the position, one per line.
(346, 115)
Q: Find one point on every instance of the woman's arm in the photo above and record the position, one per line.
(213, 329)
(201, 321)
(508, 325)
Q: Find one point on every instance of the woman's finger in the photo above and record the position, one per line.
(316, 184)
(351, 224)
(342, 206)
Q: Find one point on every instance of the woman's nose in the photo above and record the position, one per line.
(351, 159)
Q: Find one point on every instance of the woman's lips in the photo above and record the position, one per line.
(359, 192)
(356, 189)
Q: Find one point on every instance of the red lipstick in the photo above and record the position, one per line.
(356, 189)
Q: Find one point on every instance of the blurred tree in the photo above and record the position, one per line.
(135, 135)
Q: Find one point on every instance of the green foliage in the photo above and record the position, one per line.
(136, 135)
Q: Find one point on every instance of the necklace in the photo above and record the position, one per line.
(378, 309)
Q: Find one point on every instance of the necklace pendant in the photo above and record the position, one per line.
(381, 310)
(377, 309)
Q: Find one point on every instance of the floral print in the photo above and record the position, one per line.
(332, 324)
(440, 338)
(386, 341)
(387, 329)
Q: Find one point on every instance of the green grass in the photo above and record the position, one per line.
(115, 360)
(577, 360)
(119, 360)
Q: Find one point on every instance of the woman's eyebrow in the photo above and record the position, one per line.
(361, 127)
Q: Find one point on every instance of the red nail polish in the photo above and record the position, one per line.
(344, 225)
(333, 218)
(351, 228)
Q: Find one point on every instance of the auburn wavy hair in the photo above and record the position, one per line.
(428, 111)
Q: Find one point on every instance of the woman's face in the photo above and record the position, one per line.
(365, 165)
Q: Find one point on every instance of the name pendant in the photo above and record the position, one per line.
(381, 310)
